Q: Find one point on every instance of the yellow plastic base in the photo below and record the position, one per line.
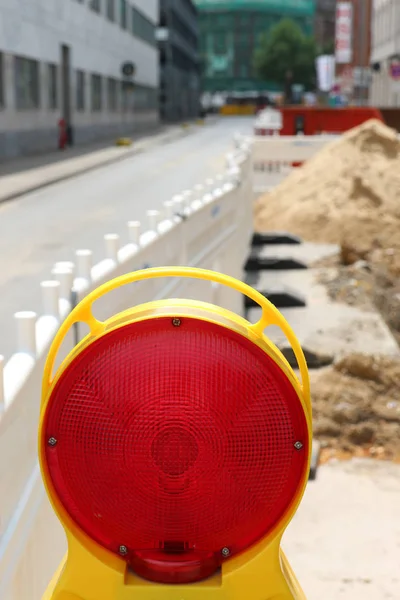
(270, 577)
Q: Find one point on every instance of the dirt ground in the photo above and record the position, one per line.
(356, 402)
(348, 194)
(356, 406)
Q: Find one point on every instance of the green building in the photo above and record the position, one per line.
(229, 34)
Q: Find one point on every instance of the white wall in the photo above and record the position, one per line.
(148, 8)
(385, 43)
(36, 28)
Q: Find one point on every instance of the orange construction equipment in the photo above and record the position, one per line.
(314, 120)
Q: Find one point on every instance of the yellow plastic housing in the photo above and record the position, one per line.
(90, 572)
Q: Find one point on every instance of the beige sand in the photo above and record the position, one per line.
(349, 193)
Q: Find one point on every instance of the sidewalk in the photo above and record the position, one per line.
(344, 542)
(24, 175)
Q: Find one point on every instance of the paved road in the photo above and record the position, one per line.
(49, 225)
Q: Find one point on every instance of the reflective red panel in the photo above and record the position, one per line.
(175, 442)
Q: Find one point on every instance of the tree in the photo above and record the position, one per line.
(285, 55)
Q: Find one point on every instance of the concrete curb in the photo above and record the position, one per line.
(104, 163)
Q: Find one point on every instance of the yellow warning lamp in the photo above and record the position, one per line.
(175, 444)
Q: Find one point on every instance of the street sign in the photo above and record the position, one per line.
(128, 69)
(344, 33)
(325, 72)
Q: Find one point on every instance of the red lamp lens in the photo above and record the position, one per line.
(175, 445)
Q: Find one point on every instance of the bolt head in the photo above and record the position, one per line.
(298, 445)
(52, 442)
(225, 552)
(176, 322)
(123, 550)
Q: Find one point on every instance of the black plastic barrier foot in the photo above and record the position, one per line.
(314, 360)
(280, 297)
(274, 237)
(272, 263)
(315, 456)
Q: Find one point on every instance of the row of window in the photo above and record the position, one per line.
(178, 25)
(252, 26)
(106, 93)
(385, 24)
(129, 18)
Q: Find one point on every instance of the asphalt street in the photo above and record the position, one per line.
(48, 225)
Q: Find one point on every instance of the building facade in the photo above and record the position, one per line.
(230, 32)
(178, 40)
(62, 59)
(324, 26)
(354, 74)
(385, 89)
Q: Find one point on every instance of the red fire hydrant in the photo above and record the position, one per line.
(62, 134)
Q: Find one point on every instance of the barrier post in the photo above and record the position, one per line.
(26, 333)
(153, 217)
(51, 298)
(112, 246)
(84, 261)
(134, 232)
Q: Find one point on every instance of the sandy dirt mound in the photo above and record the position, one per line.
(356, 406)
(347, 194)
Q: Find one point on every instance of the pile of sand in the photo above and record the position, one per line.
(348, 193)
(356, 404)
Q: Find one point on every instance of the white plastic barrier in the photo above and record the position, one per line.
(273, 158)
(268, 122)
(207, 227)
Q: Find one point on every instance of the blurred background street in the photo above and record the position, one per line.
(113, 108)
(48, 225)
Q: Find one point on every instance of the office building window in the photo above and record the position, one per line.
(2, 99)
(143, 28)
(111, 10)
(96, 90)
(124, 14)
(145, 98)
(95, 5)
(52, 86)
(112, 93)
(26, 72)
(80, 90)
